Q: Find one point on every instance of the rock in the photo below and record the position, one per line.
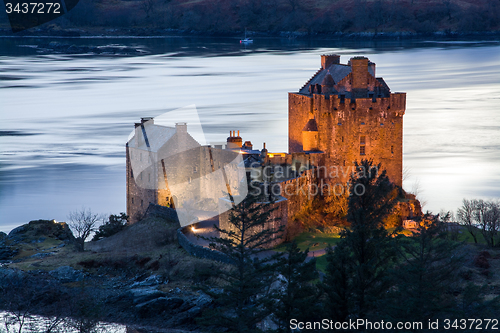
(67, 274)
(38, 231)
(142, 295)
(152, 280)
(42, 255)
(203, 300)
(158, 306)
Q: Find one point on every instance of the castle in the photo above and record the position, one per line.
(343, 114)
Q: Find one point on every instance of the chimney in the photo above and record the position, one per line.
(329, 59)
(372, 66)
(233, 141)
(359, 72)
(181, 127)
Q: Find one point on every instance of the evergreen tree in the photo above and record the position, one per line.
(372, 197)
(297, 295)
(426, 275)
(337, 284)
(241, 304)
(357, 270)
(115, 223)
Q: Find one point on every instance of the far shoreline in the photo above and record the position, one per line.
(145, 33)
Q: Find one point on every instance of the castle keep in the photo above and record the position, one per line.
(346, 113)
(343, 114)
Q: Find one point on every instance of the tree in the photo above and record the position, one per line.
(241, 304)
(337, 284)
(115, 223)
(465, 216)
(83, 222)
(425, 276)
(296, 298)
(372, 197)
(491, 222)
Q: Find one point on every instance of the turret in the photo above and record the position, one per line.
(310, 136)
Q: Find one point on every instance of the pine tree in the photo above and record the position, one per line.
(337, 284)
(296, 298)
(241, 304)
(357, 271)
(372, 197)
(425, 277)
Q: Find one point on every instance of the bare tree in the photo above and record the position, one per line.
(465, 216)
(491, 222)
(83, 222)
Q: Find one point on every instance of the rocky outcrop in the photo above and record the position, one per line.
(67, 274)
(37, 231)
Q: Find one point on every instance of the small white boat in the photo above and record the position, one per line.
(246, 40)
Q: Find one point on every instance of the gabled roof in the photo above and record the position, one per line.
(337, 71)
(156, 135)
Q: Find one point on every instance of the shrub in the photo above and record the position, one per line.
(114, 225)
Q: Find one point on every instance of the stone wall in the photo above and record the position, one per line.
(163, 212)
(278, 218)
(299, 192)
(200, 251)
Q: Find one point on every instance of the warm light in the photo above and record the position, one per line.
(193, 229)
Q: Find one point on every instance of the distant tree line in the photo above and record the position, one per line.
(274, 16)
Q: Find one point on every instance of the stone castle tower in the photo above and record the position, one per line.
(344, 113)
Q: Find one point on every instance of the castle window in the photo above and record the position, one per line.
(362, 150)
(344, 163)
(342, 99)
(362, 140)
(342, 139)
(132, 200)
(195, 169)
(149, 177)
(131, 173)
(392, 149)
(189, 180)
(362, 123)
(142, 202)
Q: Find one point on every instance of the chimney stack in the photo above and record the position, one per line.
(329, 59)
(359, 72)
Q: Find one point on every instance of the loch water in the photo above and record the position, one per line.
(65, 118)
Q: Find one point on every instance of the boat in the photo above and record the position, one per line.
(246, 40)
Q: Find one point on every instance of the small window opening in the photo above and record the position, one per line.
(362, 140)
(362, 150)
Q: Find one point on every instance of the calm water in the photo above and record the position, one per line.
(65, 118)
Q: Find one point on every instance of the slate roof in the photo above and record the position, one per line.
(337, 71)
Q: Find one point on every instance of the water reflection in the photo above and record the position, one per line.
(66, 118)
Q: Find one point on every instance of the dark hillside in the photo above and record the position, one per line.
(231, 17)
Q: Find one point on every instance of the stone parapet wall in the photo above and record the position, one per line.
(200, 251)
